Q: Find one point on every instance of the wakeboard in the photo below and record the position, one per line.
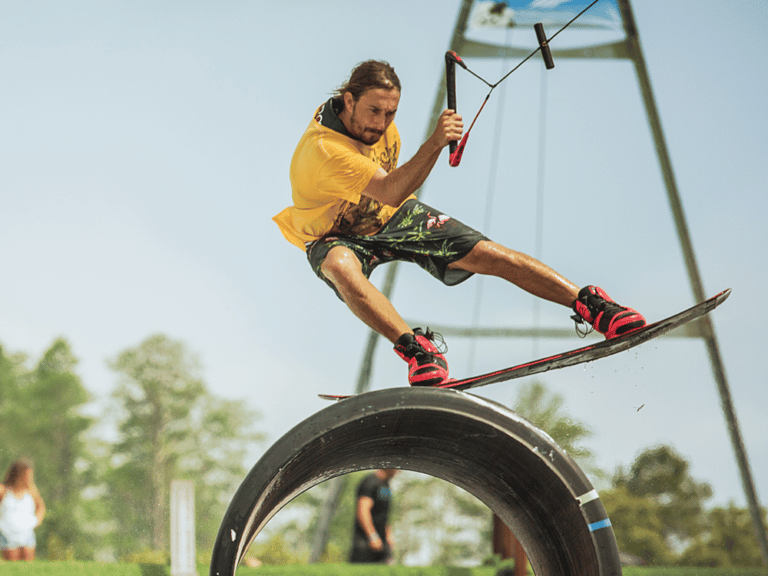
(584, 354)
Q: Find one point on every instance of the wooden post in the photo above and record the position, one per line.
(183, 562)
(507, 546)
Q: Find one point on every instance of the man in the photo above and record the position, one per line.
(372, 537)
(354, 208)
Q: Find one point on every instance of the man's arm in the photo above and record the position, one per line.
(393, 188)
(364, 506)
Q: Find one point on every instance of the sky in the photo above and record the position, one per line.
(145, 146)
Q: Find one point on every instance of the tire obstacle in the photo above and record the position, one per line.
(483, 447)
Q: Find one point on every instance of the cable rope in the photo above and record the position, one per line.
(539, 231)
(457, 149)
(490, 198)
(571, 21)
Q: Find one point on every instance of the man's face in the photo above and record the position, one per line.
(372, 114)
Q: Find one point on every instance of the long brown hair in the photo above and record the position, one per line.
(369, 75)
(16, 473)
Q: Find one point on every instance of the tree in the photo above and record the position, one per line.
(546, 410)
(663, 475)
(171, 427)
(13, 411)
(41, 419)
(434, 519)
(57, 394)
(638, 526)
(221, 440)
(728, 539)
(656, 507)
(157, 390)
(287, 539)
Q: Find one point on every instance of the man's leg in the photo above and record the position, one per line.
(590, 303)
(344, 270)
(426, 365)
(521, 270)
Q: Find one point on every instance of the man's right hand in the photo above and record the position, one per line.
(393, 188)
(450, 128)
(375, 542)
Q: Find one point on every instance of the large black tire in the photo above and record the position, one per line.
(478, 445)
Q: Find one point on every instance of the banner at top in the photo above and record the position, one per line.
(511, 13)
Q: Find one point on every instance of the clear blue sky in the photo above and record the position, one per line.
(144, 147)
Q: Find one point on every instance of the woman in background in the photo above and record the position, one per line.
(21, 511)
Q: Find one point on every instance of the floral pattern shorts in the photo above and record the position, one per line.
(415, 233)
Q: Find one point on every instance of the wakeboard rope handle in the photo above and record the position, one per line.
(451, 59)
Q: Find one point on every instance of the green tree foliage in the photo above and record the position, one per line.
(13, 409)
(221, 442)
(656, 507)
(340, 533)
(727, 540)
(170, 427)
(547, 411)
(41, 418)
(157, 391)
(638, 526)
(289, 537)
(661, 474)
(438, 523)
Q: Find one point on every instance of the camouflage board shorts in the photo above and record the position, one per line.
(415, 233)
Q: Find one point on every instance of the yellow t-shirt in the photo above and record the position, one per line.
(329, 171)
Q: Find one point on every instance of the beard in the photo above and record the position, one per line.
(368, 136)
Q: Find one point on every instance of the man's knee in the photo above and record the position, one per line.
(342, 268)
(483, 255)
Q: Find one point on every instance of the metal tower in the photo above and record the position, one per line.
(628, 48)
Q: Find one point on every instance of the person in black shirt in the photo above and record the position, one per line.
(372, 538)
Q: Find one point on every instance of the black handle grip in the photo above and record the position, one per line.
(546, 53)
(451, 59)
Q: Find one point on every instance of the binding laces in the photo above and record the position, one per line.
(582, 328)
(437, 339)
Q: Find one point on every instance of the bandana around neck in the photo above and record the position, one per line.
(328, 116)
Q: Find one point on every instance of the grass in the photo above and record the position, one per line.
(73, 568)
(690, 571)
